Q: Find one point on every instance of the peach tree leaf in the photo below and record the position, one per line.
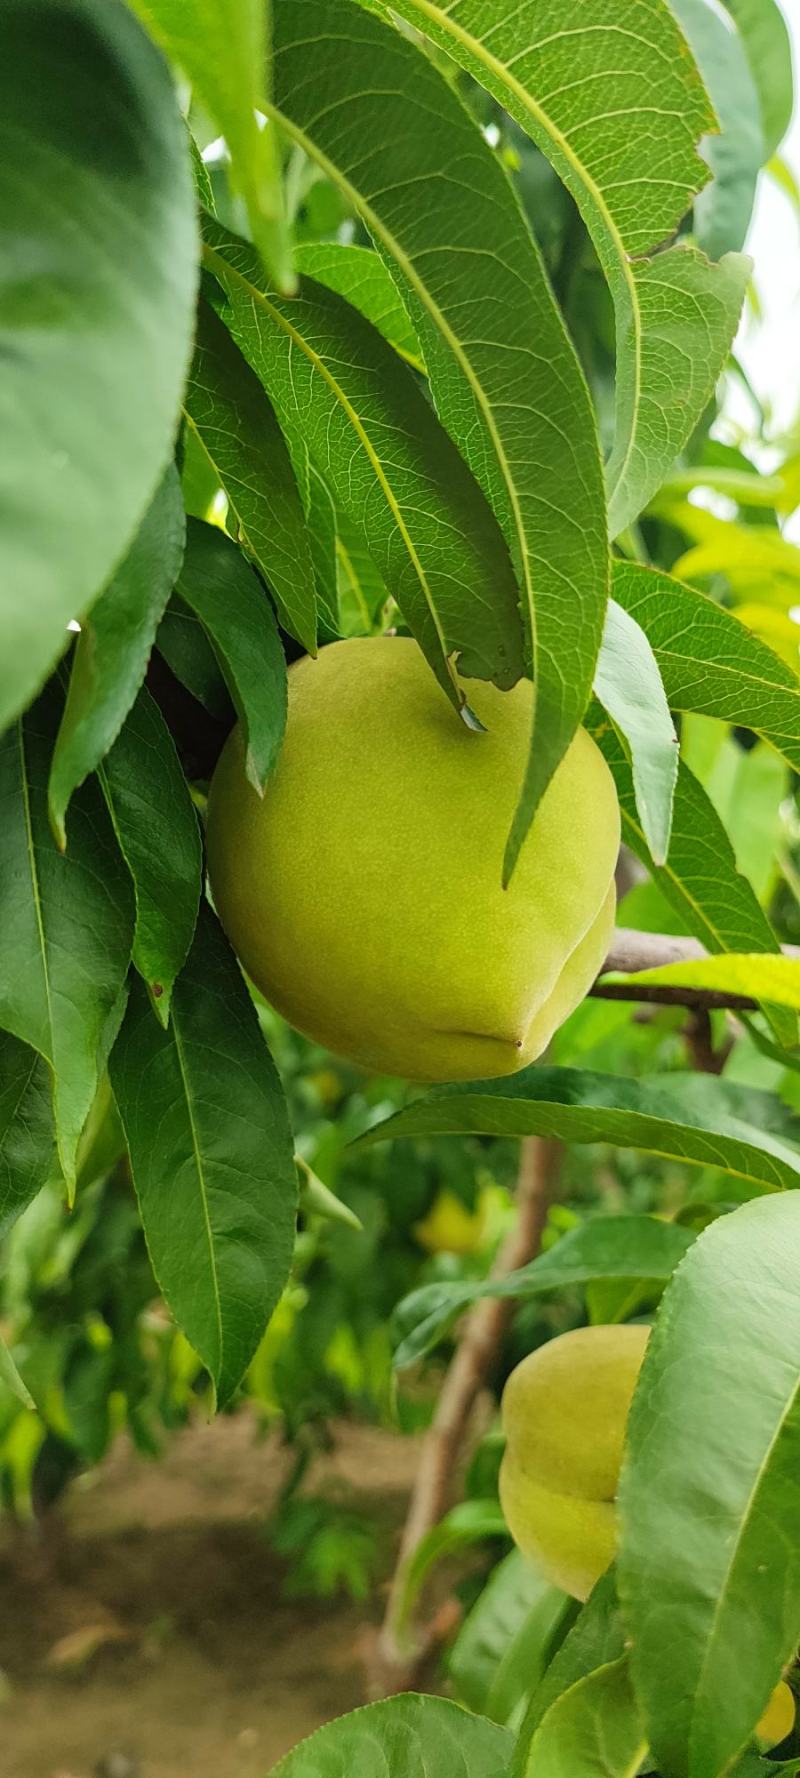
(67, 922)
(227, 598)
(157, 829)
(113, 648)
(96, 311)
(228, 411)
(628, 684)
(709, 661)
(691, 1117)
(628, 1249)
(27, 1145)
(223, 47)
(592, 1730)
(405, 1737)
(212, 1157)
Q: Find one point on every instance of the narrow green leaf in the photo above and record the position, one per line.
(317, 1199)
(738, 479)
(628, 684)
(232, 418)
(392, 469)
(630, 1249)
(688, 1117)
(223, 47)
(211, 1153)
(187, 651)
(27, 1146)
(322, 528)
(700, 877)
(503, 372)
(723, 210)
(157, 829)
(749, 787)
(96, 311)
(769, 48)
(596, 1639)
(710, 1488)
(687, 312)
(594, 1730)
(222, 590)
(500, 1650)
(11, 1379)
(709, 661)
(363, 593)
(747, 555)
(405, 1737)
(468, 1522)
(360, 275)
(776, 979)
(102, 1143)
(616, 103)
(67, 924)
(113, 648)
(751, 1765)
(88, 1382)
(200, 173)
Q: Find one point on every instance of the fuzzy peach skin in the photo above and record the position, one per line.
(363, 894)
(565, 1410)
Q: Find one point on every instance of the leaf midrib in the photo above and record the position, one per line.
(775, 1184)
(201, 1177)
(244, 529)
(39, 917)
(105, 786)
(743, 1527)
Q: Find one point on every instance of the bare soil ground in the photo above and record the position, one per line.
(202, 1667)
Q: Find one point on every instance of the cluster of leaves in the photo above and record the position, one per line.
(261, 399)
(370, 1229)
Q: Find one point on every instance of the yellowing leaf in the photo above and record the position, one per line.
(776, 979)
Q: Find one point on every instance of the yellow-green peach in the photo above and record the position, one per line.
(565, 1409)
(364, 893)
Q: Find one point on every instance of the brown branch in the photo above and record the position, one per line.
(655, 994)
(699, 1039)
(398, 1658)
(630, 950)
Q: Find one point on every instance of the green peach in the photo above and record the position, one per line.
(363, 894)
(565, 1410)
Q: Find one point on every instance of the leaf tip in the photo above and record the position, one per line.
(471, 720)
(252, 774)
(56, 814)
(160, 1000)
